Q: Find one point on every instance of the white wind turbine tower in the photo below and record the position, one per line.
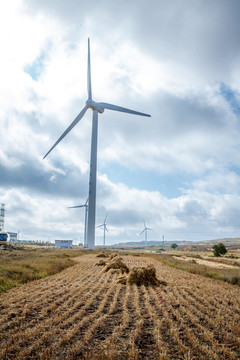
(97, 107)
(145, 230)
(104, 229)
(85, 225)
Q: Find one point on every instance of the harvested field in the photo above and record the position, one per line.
(84, 313)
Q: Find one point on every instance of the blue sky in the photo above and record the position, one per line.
(179, 170)
(232, 97)
(37, 67)
(170, 185)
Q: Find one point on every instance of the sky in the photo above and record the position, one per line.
(179, 170)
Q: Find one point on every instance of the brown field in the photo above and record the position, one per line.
(84, 313)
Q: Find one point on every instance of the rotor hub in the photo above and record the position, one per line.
(94, 106)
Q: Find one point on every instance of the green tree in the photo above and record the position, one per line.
(174, 246)
(219, 249)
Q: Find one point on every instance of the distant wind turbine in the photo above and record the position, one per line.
(97, 107)
(85, 226)
(104, 229)
(145, 230)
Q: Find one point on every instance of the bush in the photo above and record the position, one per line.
(219, 249)
(174, 246)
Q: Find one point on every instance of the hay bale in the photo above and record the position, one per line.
(103, 255)
(118, 258)
(101, 263)
(117, 263)
(113, 256)
(141, 275)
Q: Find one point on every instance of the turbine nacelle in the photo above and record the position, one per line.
(94, 106)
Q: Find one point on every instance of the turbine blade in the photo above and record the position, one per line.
(99, 226)
(106, 229)
(142, 232)
(77, 206)
(144, 224)
(89, 83)
(105, 218)
(121, 109)
(78, 118)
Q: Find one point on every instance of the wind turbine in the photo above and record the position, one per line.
(97, 107)
(85, 226)
(145, 230)
(104, 228)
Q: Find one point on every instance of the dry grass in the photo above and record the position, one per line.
(19, 265)
(84, 313)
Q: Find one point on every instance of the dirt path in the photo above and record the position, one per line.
(83, 313)
(213, 264)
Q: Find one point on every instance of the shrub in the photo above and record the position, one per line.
(174, 246)
(219, 249)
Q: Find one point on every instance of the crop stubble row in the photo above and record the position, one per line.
(84, 313)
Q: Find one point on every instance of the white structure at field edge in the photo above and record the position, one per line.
(66, 244)
(97, 107)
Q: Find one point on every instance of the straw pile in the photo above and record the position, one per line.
(141, 275)
(101, 263)
(103, 255)
(117, 263)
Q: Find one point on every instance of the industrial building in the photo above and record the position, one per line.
(13, 236)
(66, 244)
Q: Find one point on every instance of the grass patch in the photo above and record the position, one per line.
(21, 265)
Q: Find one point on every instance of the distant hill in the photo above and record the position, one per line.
(226, 241)
(149, 243)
